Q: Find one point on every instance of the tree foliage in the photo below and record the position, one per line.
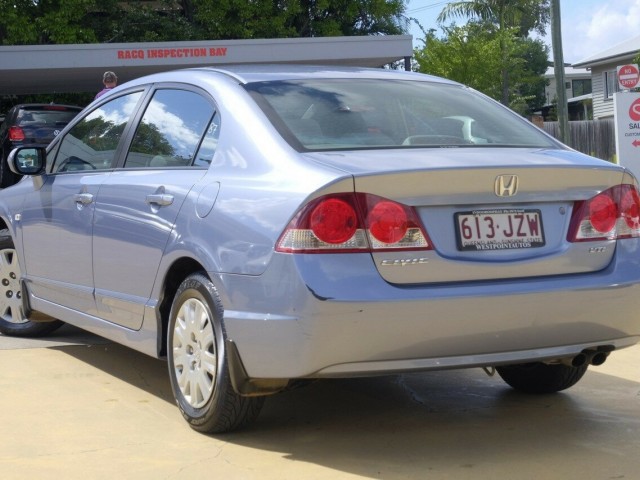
(524, 15)
(468, 54)
(471, 54)
(510, 18)
(28, 22)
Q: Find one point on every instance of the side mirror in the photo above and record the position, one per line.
(28, 160)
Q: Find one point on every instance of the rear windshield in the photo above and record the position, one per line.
(53, 116)
(351, 114)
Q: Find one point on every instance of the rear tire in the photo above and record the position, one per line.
(13, 320)
(198, 366)
(541, 377)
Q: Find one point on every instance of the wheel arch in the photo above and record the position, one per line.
(4, 225)
(179, 270)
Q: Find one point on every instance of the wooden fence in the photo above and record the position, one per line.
(593, 137)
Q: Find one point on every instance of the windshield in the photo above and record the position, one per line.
(329, 114)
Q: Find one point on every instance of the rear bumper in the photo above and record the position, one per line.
(314, 316)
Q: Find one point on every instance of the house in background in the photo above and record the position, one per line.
(604, 79)
(578, 91)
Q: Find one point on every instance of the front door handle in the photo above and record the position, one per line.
(161, 199)
(83, 198)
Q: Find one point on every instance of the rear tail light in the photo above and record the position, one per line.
(349, 222)
(612, 214)
(16, 134)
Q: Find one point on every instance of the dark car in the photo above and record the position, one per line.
(31, 124)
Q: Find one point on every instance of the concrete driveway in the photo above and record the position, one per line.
(76, 406)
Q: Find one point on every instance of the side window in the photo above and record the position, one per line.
(91, 144)
(170, 130)
(209, 143)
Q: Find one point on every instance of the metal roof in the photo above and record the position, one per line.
(79, 68)
(622, 51)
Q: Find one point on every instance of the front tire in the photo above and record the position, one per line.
(541, 377)
(13, 320)
(198, 366)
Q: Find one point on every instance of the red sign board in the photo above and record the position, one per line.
(628, 76)
(634, 111)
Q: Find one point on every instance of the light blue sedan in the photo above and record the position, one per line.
(259, 225)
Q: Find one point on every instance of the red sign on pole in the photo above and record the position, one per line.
(628, 76)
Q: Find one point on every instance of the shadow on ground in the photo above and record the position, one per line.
(391, 427)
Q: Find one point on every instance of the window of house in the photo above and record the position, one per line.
(610, 84)
(581, 87)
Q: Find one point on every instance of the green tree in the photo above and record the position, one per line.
(636, 60)
(471, 54)
(529, 81)
(26, 22)
(525, 15)
(92, 21)
(229, 19)
(468, 54)
(510, 17)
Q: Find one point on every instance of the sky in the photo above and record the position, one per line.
(588, 26)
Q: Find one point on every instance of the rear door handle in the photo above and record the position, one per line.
(83, 198)
(161, 199)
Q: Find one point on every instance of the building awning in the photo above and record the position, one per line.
(30, 69)
(581, 98)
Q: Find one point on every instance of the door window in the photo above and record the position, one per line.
(91, 144)
(170, 130)
(209, 143)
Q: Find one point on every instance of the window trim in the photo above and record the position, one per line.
(54, 149)
(152, 88)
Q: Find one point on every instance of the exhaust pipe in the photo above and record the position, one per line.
(589, 356)
(599, 358)
(576, 361)
(599, 355)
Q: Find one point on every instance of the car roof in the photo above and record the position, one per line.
(260, 72)
(250, 73)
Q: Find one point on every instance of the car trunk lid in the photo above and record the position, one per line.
(490, 213)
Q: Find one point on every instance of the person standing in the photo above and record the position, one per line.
(110, 81)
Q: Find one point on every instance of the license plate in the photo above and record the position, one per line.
(502, 229)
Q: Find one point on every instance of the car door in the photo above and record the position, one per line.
(57, 220)
(137, 205)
